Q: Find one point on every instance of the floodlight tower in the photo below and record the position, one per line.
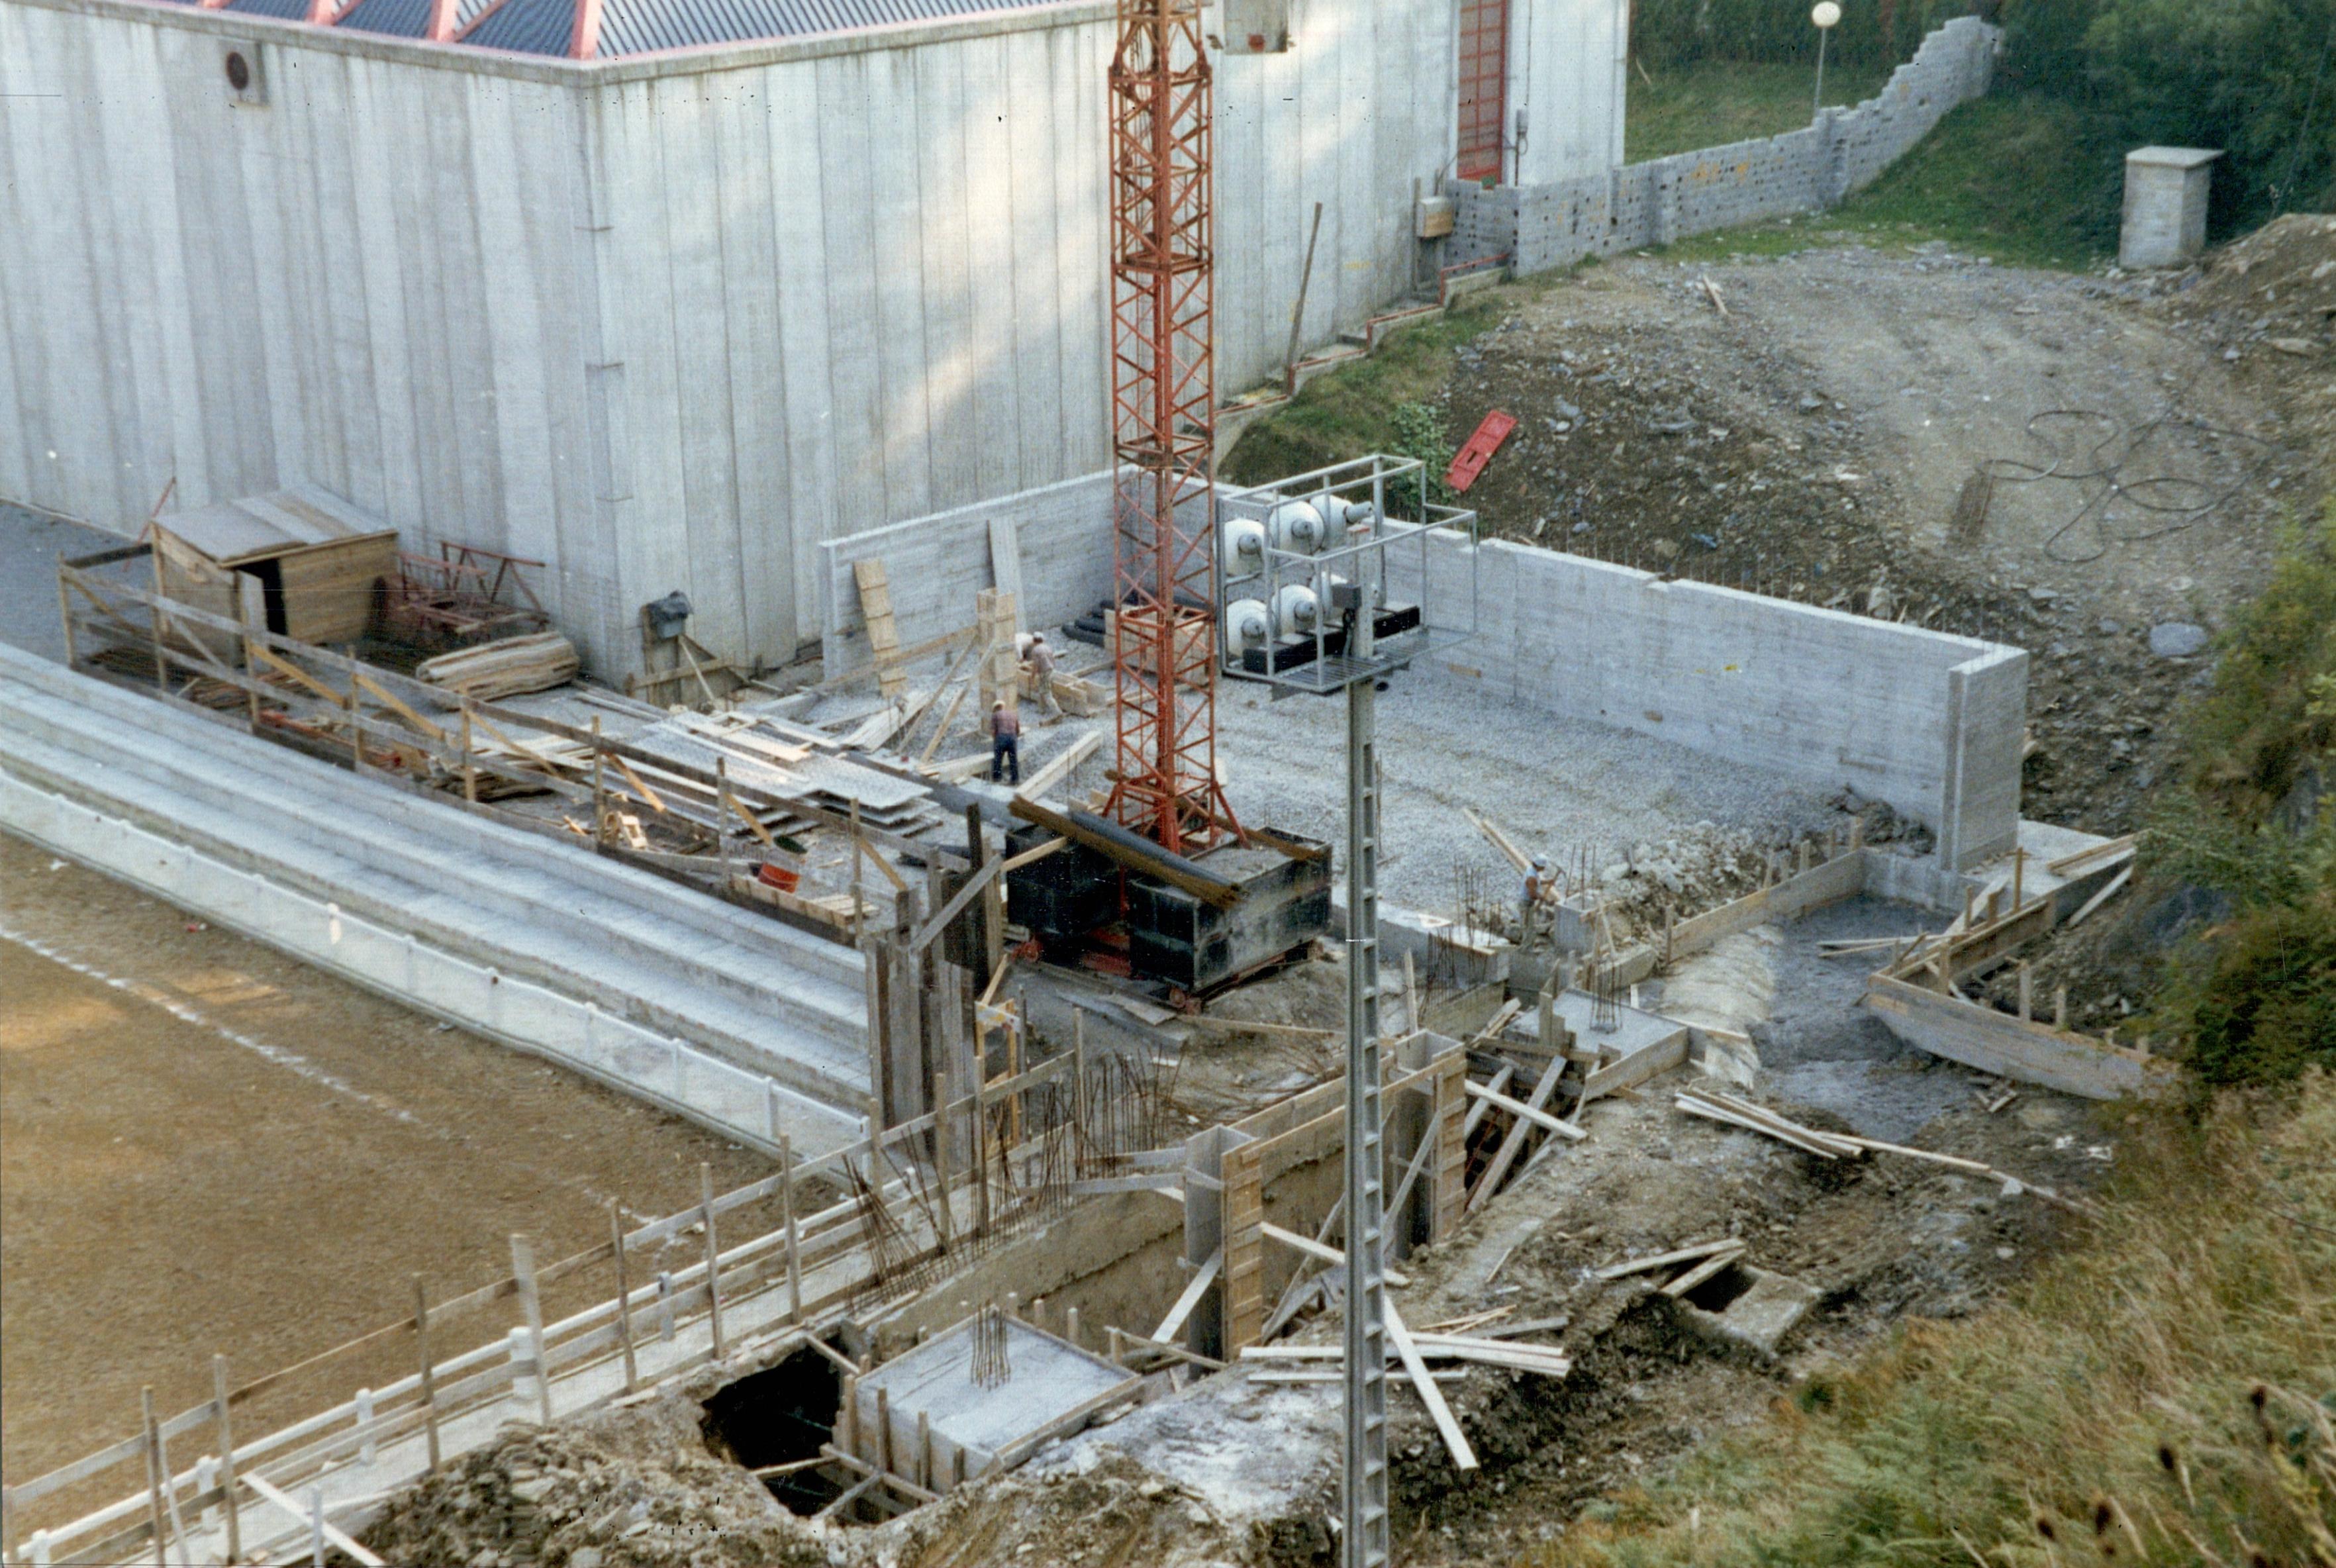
(1163, 429)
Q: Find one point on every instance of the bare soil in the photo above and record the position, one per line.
(208, 1147)
(2054, 461)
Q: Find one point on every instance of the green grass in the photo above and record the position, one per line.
(2160, 1392)
(1358, 408)
(1714, 101)
(2012, 176)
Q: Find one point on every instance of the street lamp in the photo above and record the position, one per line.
(1826, 16)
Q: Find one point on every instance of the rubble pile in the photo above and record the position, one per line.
(627, 1488)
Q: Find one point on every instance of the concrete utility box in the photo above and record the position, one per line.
(2164, 205)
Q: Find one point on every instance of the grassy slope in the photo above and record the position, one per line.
(1714, 101)
(2157, 1396)
(2009, 176)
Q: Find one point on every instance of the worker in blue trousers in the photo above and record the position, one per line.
(1005, 742)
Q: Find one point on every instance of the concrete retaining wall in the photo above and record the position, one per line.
(1928, 722)
(1061, 566)
(1554, 224)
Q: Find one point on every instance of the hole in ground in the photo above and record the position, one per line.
(781, 1416)
(1715, 1294)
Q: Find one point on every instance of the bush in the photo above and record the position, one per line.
(2249, 76)
(2263, 1007)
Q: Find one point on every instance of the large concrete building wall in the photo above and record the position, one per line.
(670, 322)
(1928, 722)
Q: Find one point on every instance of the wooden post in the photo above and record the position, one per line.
(848, 1419)
(712, 1259)
(624, 1299)
(470, 773)
(532, 1303)
(72, 656)
(1112, 1338)
(155, 1479)
(859, 905)
(787, 1213)
(924, 1450)
(600, 788)
(421, 1361)
(2059, 1007)
(1071, 1326)
(226, 1458)
(884, 1429)
(2023, 992)
(162, 670)
(2019, 870)
(356, 730)
(251, 608)
(722, 809)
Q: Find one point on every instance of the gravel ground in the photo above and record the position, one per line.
(1556, 786)
(1819, 1048)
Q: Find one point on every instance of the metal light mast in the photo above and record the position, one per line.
(1164, 428)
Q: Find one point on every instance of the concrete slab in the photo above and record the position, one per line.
(1769, 1306)
(1049, 1382)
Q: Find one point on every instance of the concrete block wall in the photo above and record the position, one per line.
(935, 565)
(1546, 226)
(1928, 722)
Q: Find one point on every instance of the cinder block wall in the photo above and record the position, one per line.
(935, 565)
(1541, 227)
(1928, 722)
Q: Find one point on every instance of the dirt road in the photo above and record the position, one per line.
(207, 1147)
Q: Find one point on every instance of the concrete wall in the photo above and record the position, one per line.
(669, 322)
(1568, 63)
(1930, 723)
(1554, 224)
(935, 566)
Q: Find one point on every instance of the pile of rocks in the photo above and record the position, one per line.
(625, 1489)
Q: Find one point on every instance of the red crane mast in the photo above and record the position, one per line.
(1164, 428)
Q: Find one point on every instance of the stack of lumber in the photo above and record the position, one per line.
(1325, 1363)
(504, 668)
(1714, 1107)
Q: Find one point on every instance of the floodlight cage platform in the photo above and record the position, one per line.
(1374, 522)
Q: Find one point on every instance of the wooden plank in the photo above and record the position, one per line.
(268, 1491)
(1514, 1144)
(883, 634)
(1645, 1063)
(1322, 1254)
(1062, 763)
(1519, 1108)
(1464, 1457)
(1725, 1259)
(1195, 1288)
(1625, 1269)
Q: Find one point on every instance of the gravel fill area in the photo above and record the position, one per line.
(1554, 785)
(1820, 1048)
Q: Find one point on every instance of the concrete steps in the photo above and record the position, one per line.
(751, 991)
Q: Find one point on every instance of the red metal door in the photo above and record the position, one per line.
(1483, 86)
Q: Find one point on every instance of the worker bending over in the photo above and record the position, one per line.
(1536, 895)
(1038, 664)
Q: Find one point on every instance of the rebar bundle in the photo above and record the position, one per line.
(992, 1365)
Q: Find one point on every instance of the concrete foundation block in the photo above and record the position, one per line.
(1748, 1308)
(2165, 192)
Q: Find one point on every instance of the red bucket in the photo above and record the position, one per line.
(779, 877)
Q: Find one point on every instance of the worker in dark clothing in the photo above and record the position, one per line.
(1005, 742)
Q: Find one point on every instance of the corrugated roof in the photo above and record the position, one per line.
(289, 10)
(640, 26)
(529, 26)
(399, 18)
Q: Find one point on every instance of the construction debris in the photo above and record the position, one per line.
(506, 667)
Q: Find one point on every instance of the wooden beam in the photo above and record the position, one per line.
(924, 934)
(1519, 1108)
(1196, 1287)
(1422, 1383)
(269, 1492)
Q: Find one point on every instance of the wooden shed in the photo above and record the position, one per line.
(319, 561)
